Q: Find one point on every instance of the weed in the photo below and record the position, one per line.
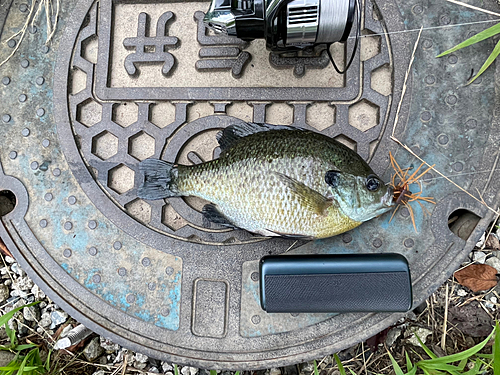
(27, 364)
(488, 33)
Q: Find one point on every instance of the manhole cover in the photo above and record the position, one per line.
(128, 80)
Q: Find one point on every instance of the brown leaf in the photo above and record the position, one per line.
(471, 320)
(4, 250)
(477, 277)
(492, 242)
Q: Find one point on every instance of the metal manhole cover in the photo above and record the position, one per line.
(127, 80)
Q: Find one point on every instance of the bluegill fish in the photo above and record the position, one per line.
(276, 181)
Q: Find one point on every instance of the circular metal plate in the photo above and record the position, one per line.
(127, 80)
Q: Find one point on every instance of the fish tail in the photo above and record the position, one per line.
(159, 180)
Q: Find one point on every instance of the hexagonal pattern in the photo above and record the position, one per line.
(171, 218)
(89, 112)
(89, 49)
(125, 114)
(381, 79)
(78, 81)
(320, 116)
(370, 45)
(364, 115)
(162, 114)
(121, 179)
(346, 141)
(140, 210)
(141, 146)
(104, 145)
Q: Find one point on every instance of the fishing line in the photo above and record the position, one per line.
(460, 174)
(427, 28)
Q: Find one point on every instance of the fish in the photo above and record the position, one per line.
(276, 180)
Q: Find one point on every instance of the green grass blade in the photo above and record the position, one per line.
(176, 370)
(426, 349)
(316, 372)
(496, 350)
(339, 364)
(352, 372)
(213, 372)
(489, 32)
(459, 356)
(395, 365)
(475, 370)
(47, 361)
(25, 346)
(237, 373)
(488, 62)
(11, 334)
(8, 316)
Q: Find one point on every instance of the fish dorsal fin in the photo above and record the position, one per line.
(309, 198)
(228, 137)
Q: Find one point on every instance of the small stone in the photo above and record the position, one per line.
(109, 345)
(489, 305)
(100, 372)
(186, 370)
(93, 349)
(7, 282)
(4, 292)
(494, 299)
(140, 365)
(392, 336)
(461, 293)
(307, 367)
(58, 317)
(31, 313)
(45, 320)
(17, 269)
(275, 371)
(169, 373)
(422, 333)
(23, 283)
(37, 292)
(9, 259)
(479, 257)
(481, 241)
(154, 370)
(493, 262)
(6, 357)
(141, 357)
(165, 366)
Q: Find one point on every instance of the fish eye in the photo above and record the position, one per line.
(372, 183)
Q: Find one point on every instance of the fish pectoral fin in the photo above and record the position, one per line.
(212, 214)
(228, 137)
(310, 198)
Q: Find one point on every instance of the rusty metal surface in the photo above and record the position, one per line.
(127, 80)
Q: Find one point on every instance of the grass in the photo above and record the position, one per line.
(29, 363)
(488, 33)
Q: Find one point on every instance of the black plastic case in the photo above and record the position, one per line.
(335, 283)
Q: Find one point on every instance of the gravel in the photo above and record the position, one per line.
(93, 350)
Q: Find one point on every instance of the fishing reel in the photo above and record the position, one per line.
(287, 25)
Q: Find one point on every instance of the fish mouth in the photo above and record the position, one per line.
(387, 200)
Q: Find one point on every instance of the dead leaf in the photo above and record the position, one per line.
(471, 320)
(477, 277)
(492, 242)
(379, 338)
(4, 249)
